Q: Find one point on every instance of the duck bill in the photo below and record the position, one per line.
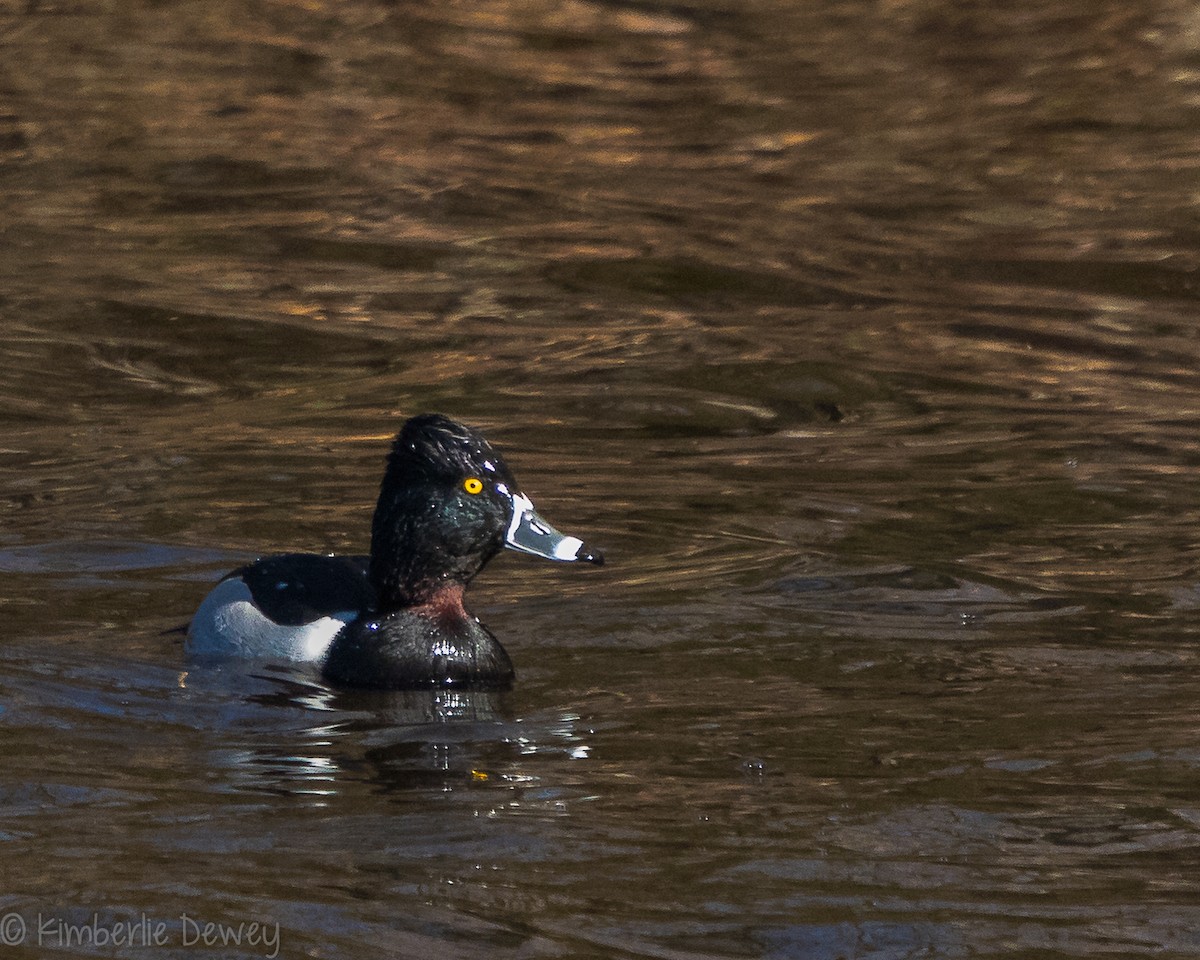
(529, 533)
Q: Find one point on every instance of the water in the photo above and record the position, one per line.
(861, 335)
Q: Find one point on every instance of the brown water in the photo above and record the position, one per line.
(862, 335)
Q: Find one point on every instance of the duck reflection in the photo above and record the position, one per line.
(335, 741)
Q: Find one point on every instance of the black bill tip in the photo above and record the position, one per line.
(588, 555)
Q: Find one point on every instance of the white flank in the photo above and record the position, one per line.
(228, 624)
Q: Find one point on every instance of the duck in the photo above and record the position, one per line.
(394, 619)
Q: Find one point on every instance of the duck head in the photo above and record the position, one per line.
(447, 505)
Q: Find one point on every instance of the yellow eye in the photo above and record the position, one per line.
(473, 485)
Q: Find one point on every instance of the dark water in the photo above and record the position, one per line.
(863, 335)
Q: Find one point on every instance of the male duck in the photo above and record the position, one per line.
(395, 619)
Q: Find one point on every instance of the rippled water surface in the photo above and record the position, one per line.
(862, 335)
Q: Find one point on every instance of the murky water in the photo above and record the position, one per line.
(862, 335)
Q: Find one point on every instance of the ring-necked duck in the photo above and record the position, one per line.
(395, 619)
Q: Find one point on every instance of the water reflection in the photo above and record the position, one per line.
(305, 738)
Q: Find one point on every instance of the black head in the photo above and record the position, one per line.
(448, 504)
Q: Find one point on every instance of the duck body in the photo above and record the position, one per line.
(394, 619)
(285, 607)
